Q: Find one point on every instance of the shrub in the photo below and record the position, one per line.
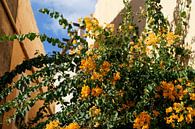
(124, 80)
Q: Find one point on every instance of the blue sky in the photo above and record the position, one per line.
(71, 9)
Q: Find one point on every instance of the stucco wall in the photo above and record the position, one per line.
(107, 11)
(11, 53)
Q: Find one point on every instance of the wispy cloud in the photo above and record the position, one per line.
(71, 9)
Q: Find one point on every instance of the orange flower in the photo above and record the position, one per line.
(117, 76)
(85, 91)
(192, 96)
(96, 91)
(178, 107)
(181, 118)
(96, 76)
(52, 125)
(73, 125)
(169, 120)
(168, 110)
(168, 90)
(189, 118)
(105, 68)
(142, 121)
(151, 39)
(170, 37)
(88, 64)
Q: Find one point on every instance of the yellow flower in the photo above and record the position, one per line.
(74, 42)
(177, 107)
(145, 126)
(168, 90)
(189, 109)
(85, 91)
(142, 121)
(88, 64)
(168, 110)
(131, 27)
(181, 118)
(151, 39)
(96, 76)
(105, 68)
(169, 120)
(52, 125)
(192, 96)
(110, 27)
(94, 111)
(91, 23)
(189, 118)
(188, 84)
(96, 91)
(117, 76)
(174, 116)
(73, 125)
(170, 37)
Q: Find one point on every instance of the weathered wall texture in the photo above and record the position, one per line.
(11, 53)
(107, 11)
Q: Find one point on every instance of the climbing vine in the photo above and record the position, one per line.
(124, 80)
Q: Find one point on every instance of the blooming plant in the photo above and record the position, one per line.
(126, 79)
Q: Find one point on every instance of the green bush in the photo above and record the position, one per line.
(124, 80)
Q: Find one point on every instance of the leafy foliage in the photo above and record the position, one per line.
(123, 80)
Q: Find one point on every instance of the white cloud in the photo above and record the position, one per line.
(71, 9)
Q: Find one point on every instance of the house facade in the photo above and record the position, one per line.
(109, 12)
(16, 17)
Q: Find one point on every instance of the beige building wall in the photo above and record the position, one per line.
(107, 11)
(16, 17)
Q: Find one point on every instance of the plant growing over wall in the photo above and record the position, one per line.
(124, 80)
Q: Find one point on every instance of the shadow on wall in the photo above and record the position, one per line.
(6, 28)
(136, 15)
(13, 6)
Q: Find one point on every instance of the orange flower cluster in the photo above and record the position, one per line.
(142, 121)
(96, 91)
(52, 125)
(73, 125)
(88, 64)
(55, 125)
(91, 23)
(179, 113)
(152, 39)
(192, 96)
(96, 76)
(172, 91)
(105, 68)
(116, 77)
(85, 91)
(171, 37)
